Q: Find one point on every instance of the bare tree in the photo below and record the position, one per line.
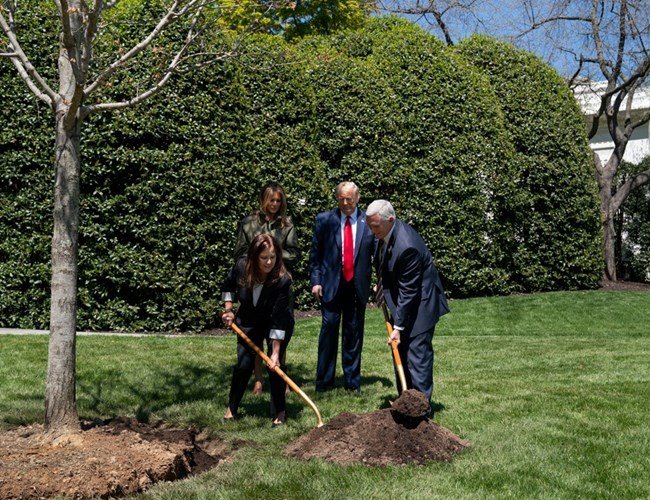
(71, 103)
(591, 42)
(613, 63)
(446, 18)
(620, 36)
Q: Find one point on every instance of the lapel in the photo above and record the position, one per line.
(361, 229)
(336, 222)
(391, 243)
(262, 299)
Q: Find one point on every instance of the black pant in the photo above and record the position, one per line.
(243, 370)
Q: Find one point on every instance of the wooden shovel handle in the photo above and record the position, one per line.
(393, 345)
(277, 370)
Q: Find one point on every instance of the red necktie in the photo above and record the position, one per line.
(348, 251)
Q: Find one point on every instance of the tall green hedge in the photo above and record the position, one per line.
(557, 194)
(389, 107)
(26, 183)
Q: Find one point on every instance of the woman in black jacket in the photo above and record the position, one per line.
(261, 285)
(271, 218)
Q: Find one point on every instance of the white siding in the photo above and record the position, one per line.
(639, 145)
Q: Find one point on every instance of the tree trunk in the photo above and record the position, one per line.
(608, 213)
(609, 229)
(60, 394)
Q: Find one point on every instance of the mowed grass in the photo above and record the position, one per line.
(552, 390)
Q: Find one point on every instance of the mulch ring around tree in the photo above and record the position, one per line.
(107, 459)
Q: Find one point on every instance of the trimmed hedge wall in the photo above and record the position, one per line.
(557, 195)
(494, 190)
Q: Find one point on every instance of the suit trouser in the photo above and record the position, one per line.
(346, 307)
(416, 353)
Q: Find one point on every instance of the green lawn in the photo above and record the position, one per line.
(551, 389)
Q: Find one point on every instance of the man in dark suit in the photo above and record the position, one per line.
(340, 270)
(412, 291)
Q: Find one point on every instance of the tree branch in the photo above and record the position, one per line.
(598, 42)
(90, 34)
(26, 69)
(157, 87)
(630, 185)
(175, 66)
(70, 55)
(622, 35)
(548, 20)
(645, 118)
(171, 16)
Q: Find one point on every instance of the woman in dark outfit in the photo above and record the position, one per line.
(271, 218)
(262, 286)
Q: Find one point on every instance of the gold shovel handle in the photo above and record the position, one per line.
(277, 370)
(393, 345)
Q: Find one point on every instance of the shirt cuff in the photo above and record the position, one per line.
(227, 297)
(399, 328)
(276, 335)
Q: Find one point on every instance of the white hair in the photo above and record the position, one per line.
(381, 207)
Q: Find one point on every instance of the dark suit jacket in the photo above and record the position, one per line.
(412, 286)
(326, 254)
(272, 312)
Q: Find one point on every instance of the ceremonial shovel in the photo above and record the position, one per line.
(393, 346)
(277, 370)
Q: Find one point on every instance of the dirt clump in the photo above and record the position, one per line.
(108, 459)
(398, 435)
(411, 404)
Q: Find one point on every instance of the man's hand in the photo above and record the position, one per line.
(394, 336)
(317, 292)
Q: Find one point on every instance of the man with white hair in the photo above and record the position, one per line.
(412, 291)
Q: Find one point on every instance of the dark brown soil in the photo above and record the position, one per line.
(122, 456)
(629, 286)
(394, 436)
(108, 459)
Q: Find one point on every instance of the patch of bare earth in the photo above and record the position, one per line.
(628, 286)
(107, 459)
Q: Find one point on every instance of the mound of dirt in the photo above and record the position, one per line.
(107, 459)
(394, 436)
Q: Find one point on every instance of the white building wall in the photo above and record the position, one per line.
(639, 145)
(637, 148)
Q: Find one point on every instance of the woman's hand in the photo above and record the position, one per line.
(275, 360)
(228, 317)
(275, 354)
